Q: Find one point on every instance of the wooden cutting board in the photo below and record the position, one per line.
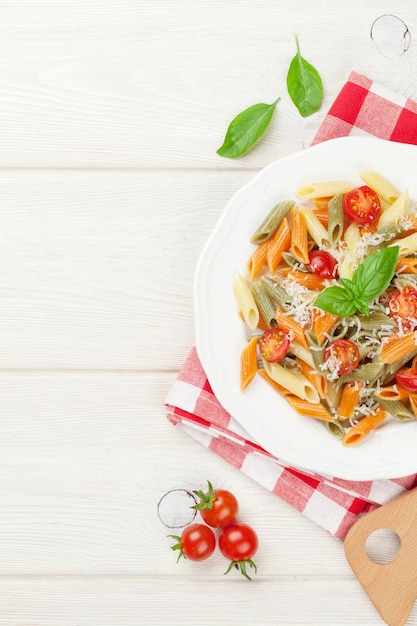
(392, 586)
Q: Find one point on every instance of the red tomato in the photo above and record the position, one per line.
(322, 263)
(274, 344)
(218, 508)
(407, 379)
(362, 205)
(239, 543)
(404, 305)
(346, 352)
(196, 543)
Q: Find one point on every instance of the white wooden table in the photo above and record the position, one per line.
(111, 112)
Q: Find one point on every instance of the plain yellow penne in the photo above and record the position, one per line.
(297, 384)
(315, 228)
(326, 188)
(407, 245)
(246, 302)
(346, 267)
(397, 209)
(319, 382)
(380, 185)
(352, 237)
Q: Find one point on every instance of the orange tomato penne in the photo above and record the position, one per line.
(316, 411)
(392, 392)
(406, 265)
(365, 426)
(349, 399)
(248, 363)
(257, 260)
(322, 216)
(321, 204)
(396, 347)
(322, 323)
(280, 243)
(413, 403)
(299, 236)
(291, 325)
(306, 279)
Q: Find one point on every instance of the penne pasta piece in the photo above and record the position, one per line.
(315, 229)
(397, 209)
(257, 261)
(349, 399)
(248, 363)
(322, 323)
(306, 279)
(407, 265)
(397, 409)
(282, 390)
(316, 411)
(407, 245)
(325, 188)
(392, 392)
(299, 238)
(280, 243)
(275, 291)
(319, 382)
(246, 302)
(302, 354)
(383, 188)
(292, 326)
(398, 347)
(364, 427)
(346, 266)
(264, 305)
(322, 216)
(271, 223)
(336, 220)
(352, 237)
(321, 204)
(293, 263)
(368, 371)
(297, 384)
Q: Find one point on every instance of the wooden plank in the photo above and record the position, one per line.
(130, 85)
(85, 459)
(186, 600)
(97, 267)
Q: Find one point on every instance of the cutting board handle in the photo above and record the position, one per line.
(392, 586)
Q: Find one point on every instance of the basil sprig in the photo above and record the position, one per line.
(370, 280)
(246, 129)
(304, 85)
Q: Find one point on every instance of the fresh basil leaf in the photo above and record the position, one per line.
(349, 286)
(246, 129)
(362, 307)
(375, 273)
(336, 300)
(304, 85)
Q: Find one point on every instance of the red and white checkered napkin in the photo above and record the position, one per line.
(361, 108)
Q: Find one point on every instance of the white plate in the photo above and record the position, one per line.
(390, 452)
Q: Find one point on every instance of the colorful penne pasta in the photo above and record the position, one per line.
(348, 367)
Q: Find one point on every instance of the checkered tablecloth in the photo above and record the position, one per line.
(361, 108)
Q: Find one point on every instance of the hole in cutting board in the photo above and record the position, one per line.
(382, 546)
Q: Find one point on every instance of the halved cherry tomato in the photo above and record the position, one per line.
(196, 543)
(362, 205)
(274, 344)
(407, 379)
(404, 305)
(218, 508)
(322, 263)
(346, 353)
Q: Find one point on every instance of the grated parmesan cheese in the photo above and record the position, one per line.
(301, 301)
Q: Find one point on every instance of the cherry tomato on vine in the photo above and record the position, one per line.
(322, 263)
(345, 353)
(403, 305)
(273, 344)
(239, 543)
(197, 542)
(407, 379)
(362, 205)
(218, 508)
